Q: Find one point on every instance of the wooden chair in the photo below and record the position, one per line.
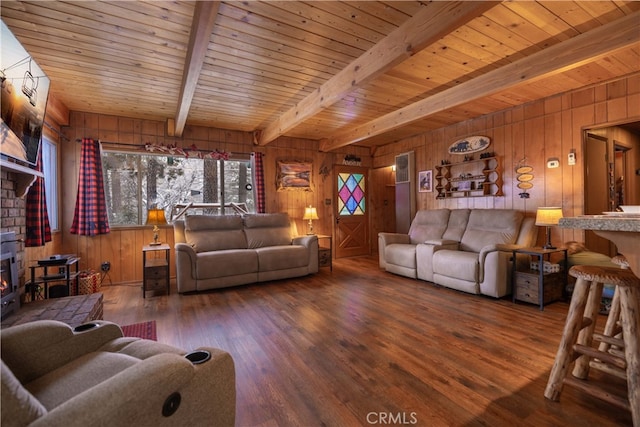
(621, 356)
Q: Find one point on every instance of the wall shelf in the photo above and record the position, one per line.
(25, 176)
(471, 178)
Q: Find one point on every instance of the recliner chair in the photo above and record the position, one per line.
(54, 375)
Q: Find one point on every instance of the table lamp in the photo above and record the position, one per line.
(155, 217)
(310, 214)
(548, 216)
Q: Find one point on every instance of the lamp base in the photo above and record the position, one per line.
(548, 244)
(155, 243)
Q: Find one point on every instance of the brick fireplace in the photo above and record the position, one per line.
(13, 216)
(9, 283)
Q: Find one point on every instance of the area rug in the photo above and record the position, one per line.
(146, 330)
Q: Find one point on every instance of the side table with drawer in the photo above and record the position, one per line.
(155, 268)
(325, 249)
(536, 283)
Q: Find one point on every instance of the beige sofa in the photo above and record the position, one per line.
(465, 249)
(229, 250)
(53, 375)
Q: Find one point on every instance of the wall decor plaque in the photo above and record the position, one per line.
(470, 144)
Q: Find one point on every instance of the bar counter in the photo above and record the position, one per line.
(622, 230)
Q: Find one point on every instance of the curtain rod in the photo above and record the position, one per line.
(142, 146)
(56, 131)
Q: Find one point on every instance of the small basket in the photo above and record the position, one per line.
(547, 267)
(88, 282)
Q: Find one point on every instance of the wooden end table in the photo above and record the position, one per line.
(537, 286)
(155, 269)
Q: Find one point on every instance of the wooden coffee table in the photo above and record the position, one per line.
(73, 311)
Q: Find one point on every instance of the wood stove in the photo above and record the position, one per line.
(9, 274)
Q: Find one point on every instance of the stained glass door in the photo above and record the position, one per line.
(352, 216)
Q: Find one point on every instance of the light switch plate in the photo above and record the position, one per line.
(572, 159)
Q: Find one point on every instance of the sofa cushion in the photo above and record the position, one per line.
(491, 227)
(214, 232)
(267, 230)
(225, 263)
(458, 264)
(282, 257)
(401, 254)
(19, 407)
(428, 225)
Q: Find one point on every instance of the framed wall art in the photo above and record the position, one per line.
(425, 181)
(293, 175)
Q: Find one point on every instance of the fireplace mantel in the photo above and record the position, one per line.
(24, 176)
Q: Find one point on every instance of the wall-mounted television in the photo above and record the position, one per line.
(25, 88)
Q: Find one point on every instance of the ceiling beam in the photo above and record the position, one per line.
(567, 55)
(430, 24)
(204, 18)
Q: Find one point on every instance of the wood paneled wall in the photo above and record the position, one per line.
(547, 128)
(551, 127)
(122, 246)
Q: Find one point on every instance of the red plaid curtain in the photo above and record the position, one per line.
(90, 217)
(38, 230)
(258, 182)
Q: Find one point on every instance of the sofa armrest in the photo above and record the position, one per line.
(33, 349)
(139, 394)
(306, 241)
(187, 249)
(391, 238)
(500, 247)
(385, 239)
(186, 262)
(309, 241)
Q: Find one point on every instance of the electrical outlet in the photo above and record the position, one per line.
(105, 266)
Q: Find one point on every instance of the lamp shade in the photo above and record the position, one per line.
(310, 213)
(548, 216)
(156, 217)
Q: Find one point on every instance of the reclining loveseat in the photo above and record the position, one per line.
(465, 249)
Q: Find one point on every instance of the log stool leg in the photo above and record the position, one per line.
(585, 337)
(612, 327)
(630, 313)
(572, 327)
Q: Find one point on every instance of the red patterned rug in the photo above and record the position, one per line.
(146, 330)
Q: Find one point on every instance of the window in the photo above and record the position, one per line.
(351, 194)
(50, 171)
(135, 182)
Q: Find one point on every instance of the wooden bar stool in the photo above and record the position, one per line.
(622, 357)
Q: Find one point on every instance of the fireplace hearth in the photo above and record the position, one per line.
(9, 274)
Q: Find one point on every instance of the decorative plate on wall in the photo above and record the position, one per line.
(524, 169)
(525, 177)
(470, 144)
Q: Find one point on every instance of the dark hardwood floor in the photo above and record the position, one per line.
(359, 346)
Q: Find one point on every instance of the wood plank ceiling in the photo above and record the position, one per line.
(366, 73)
